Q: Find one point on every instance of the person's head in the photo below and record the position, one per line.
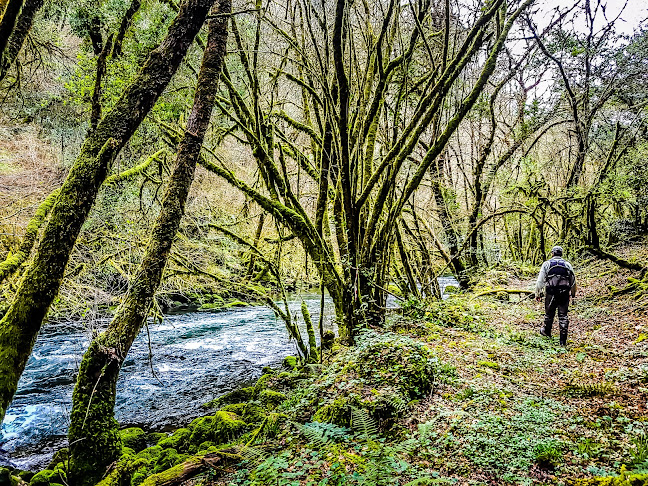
(557, 251)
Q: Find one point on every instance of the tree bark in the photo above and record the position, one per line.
(8, 23)
(93, 433)
(38, 288)
(19, 34)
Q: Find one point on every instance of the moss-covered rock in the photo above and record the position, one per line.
(261, 384)
(150, 453)
(328, 339)
(179, 440)
(25, 475)
(206, 446)
(167, 459)
(5, 476)
(250, 412)
(45, 478)
(133, 438)
(154, 437)
(409, 366)
(62, 455)
(236, 396)
(290, 362)
(271, 398)
(337, 412)
(219, 428)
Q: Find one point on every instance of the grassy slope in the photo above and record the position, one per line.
(518, 409)
(466, 392)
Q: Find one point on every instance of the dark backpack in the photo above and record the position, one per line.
(559, 278)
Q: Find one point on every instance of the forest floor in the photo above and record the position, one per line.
(462, 392)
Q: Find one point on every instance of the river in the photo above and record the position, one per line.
(195, 357)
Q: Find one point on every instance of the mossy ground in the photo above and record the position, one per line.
(466, 392)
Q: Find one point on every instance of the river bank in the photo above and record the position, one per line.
(464, 391)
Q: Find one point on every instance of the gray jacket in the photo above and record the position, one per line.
(542, 276)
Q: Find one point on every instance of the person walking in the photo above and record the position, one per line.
(558, 281)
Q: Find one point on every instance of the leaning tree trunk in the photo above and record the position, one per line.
(38, 288)
(19, 34)
(93, 433)
(8, 23)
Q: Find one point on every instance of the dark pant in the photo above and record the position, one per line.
(561, 304)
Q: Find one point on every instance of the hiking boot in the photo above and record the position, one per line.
(544, 333)
(563, 339)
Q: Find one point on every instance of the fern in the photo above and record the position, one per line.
(640, 454)
(590, 389)
(397, 403)
(363, 423)
(322, 434)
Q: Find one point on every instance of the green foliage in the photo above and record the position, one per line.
(363, 424)
(271, 398)
(590, 389)
(219, 428)
(455, 312)
(321, 434)
(400, 362)
(133, 438)
(548, 454)
(179, 440)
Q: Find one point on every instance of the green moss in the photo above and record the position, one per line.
(235, 303)
(218, 428)
(155, 437)
(169, 474)
(134, 438)
(167, 459)
(271, 398)
(138, 478)
(489, 364)
(179, 440)
(338, 412)
(408, 366)
(290, 362)
(5, 476)
(261, 383)
(237, 408)
(237, 396)
(250, 412)
(625, 478)
(25, 475)
(45, 478)
(62, 455)
(205, 446)
(150, 453)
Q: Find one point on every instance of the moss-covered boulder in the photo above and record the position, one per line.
(150, 453)
(62, 455)
(219, 428)
(290, 362)
(250, 413)
(408, 366)
(337, 412)
(46, 477)
(5, 476)
(236, 396)
(167, 459)
(134, 438)
(179, 440)
(154, 437)
(25, 475)
(271, 399)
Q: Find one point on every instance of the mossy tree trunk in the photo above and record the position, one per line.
(19, 34)
(93, 433)
(40, 284)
